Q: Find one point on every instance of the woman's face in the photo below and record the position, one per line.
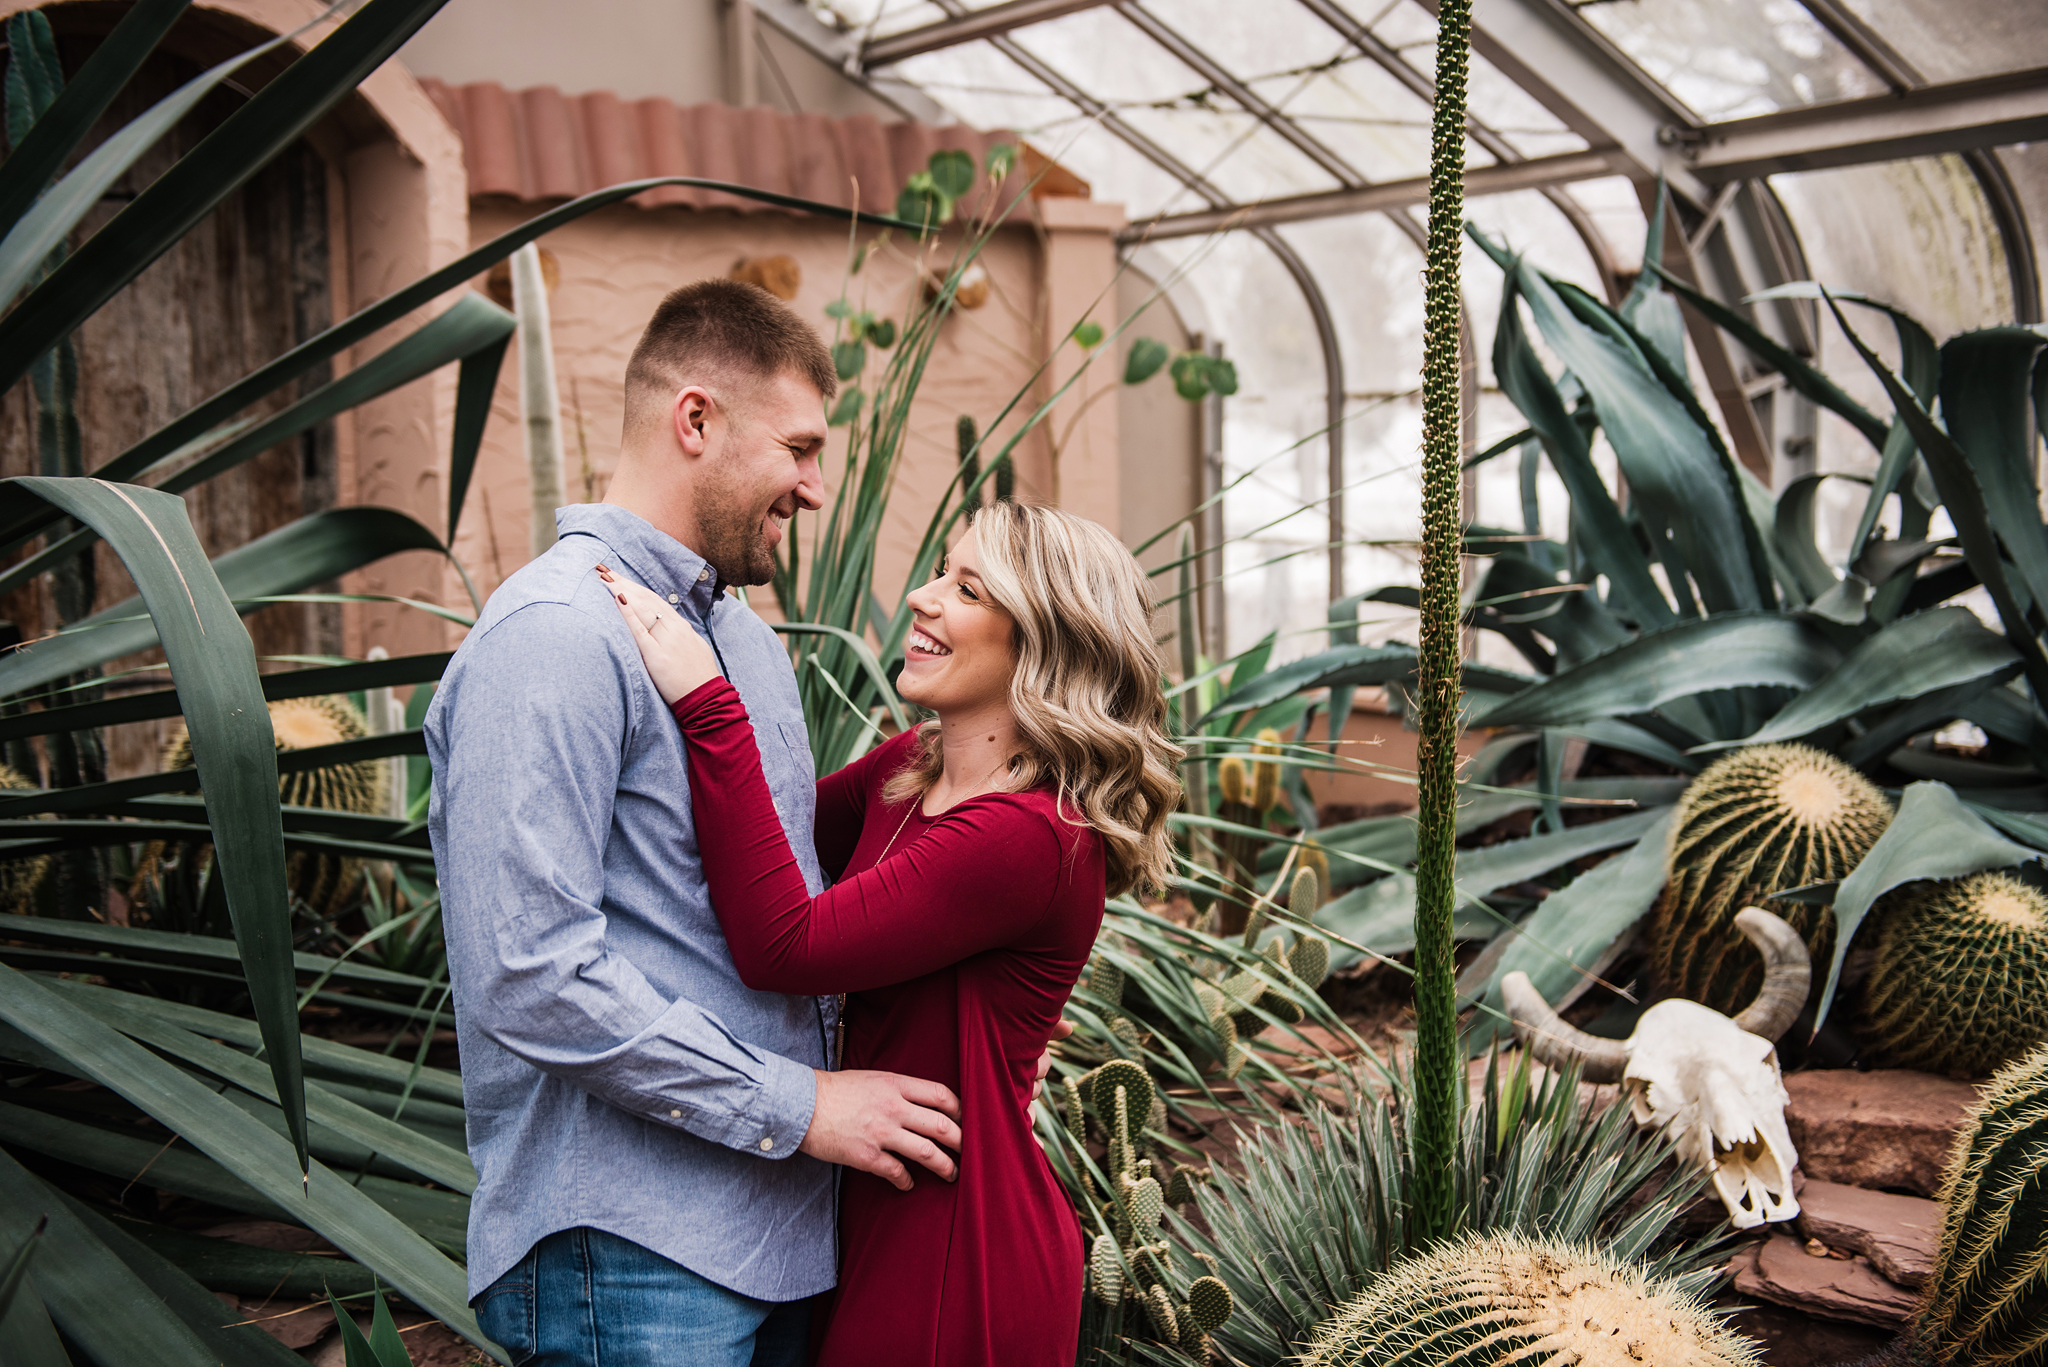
(960, 653)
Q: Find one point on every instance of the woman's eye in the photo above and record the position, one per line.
(971, 594)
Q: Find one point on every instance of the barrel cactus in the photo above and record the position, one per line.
(324, 882)
(20, 879)
(1987, 1301)
(1506, 1298)
(1758, 821)
(1960, 983)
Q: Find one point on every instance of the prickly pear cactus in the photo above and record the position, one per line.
(1250, 788)
(1504, 1298)
(1987, 1301)
(1131, 1264)
(1758, 821)
(1960, 982)
(323, 882)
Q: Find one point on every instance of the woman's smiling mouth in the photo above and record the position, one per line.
(920, 644)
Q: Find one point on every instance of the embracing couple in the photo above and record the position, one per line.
(733, 1036)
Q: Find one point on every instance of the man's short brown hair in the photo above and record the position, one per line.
(723, 330)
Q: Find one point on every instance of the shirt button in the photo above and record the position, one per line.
(767, 1143)
(703, 574)
(675, 1115)
(675, 598)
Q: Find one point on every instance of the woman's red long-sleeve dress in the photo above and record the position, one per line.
(957, 939)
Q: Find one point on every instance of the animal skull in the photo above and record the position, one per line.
(1711, 1082)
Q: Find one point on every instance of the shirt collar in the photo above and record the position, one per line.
(655, 558)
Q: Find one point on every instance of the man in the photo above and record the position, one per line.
(653, 1141)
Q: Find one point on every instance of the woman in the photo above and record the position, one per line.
(970, 858)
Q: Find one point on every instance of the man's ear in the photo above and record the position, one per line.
(691, 415)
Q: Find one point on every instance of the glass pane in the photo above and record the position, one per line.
(879, 18)
(1726, 59)
(1377, 125)
(1233, 151)
(1948, 42)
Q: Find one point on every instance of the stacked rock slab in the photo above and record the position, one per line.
(1759, 821)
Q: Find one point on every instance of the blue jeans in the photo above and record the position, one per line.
(585, 1298)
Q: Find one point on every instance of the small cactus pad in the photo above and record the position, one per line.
(1316, 860)
(1310, 960)
(1120, 1072)
(1074, 1112)
(1106, 1271)
(1210, 1303)
(1307, 892)
(1145, 1202)
(1501, 1298)
(1987, 1301)
(1106, 981)
(1159, 1306)
(1960, 983)
(1231, 780)
(1758, 821)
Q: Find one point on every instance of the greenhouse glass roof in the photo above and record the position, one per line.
(1272, 156)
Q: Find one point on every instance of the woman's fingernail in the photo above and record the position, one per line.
(622, 598)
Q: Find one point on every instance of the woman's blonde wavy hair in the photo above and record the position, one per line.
(1087, 690)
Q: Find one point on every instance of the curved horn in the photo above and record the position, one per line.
(1788, 973)
(1554, 1043)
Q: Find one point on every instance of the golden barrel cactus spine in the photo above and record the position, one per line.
(1504, 1298)
(1960, 982)
(1755, 822)
(1987, 1301)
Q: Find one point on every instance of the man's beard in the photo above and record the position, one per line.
(735, 542)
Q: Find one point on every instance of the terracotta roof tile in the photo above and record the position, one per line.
(540, 144)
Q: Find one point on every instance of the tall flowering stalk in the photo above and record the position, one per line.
(1438, 1070)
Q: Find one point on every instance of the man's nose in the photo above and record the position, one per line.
(810, 484)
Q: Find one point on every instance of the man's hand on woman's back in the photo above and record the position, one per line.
(872, 1121)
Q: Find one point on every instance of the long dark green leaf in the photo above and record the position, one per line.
(864, 653)
(1742, 650)
(274, 118)
(1602, 530)
(1963, 497)
(99, 1302)
(299, 683)
(1792, 527)
(213, 665)
(1381, 915)
(474, 388)
(1798, 372)
(209, 950)
(1933, 836)
(1571, 930)
(1985, 405)
(310, 551)
(45, 225)
(108, 796)
(245, 1270)
(1916, 655)
(244, 1147)
(1672, 468)
(40, 155)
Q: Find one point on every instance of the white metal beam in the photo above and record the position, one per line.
(966, 28)
(1989, 111)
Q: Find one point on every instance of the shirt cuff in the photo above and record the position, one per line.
(789, 1097)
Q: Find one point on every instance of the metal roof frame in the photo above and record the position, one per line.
(1728, 234)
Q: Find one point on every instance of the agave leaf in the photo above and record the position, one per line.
(173, 946)
(1741, 650)
(38, 156)
(1381, 915)
(1934, 836)
(1563, 940)
(214, 666)
(1608, 543)
(299, 683)
(272, 119)
(319, 547)
(476, 383)
(1649, 308)
(102, 1306)
(864, 653)
(473, 326)
(48, 221)
(1793, 528)
(1985, 407)
(244, 1147)
(1673, 471)
(1963, 497)
(243, 1269)
(1915, 655)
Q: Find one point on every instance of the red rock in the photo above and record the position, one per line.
(1890, 1128)
(1780, 1270)
(1899, 1234)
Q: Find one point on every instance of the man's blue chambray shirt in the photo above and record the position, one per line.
(616, 1072)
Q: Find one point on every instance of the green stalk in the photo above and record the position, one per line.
(1439, 1074)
